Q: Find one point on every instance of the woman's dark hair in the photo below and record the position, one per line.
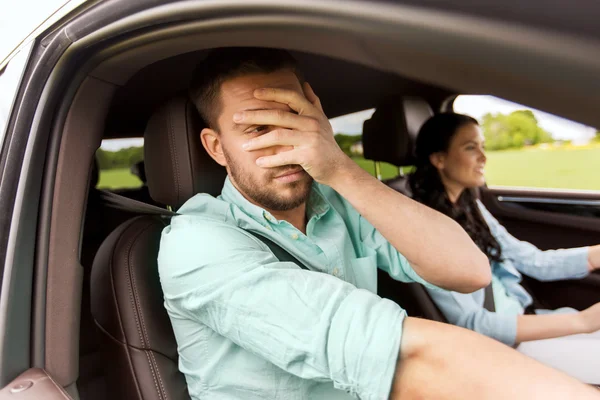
(427, 187)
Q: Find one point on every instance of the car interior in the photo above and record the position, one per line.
(98, 323)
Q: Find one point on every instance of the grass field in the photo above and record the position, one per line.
(118, 179)
(567, 168)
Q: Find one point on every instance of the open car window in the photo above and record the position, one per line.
(119, 163)
(531, 148)
(348, 134)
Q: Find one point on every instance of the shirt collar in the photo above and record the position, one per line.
(316, 207)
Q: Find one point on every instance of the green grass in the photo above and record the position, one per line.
(564, 168)
(567, 168)
(118, 179)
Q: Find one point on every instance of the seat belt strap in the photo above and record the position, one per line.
(280, 253)
(488, 299)
(123, 203)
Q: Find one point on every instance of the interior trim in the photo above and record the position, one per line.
(478, 55)
(81, 136)
(546, 200)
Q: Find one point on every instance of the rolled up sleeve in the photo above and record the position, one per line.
(462, 310)
(307, 323)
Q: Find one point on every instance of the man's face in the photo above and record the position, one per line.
(276, 189)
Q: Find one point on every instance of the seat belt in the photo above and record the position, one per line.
(123, 203)
(488, 299)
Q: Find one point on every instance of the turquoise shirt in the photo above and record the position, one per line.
(251, 327)
(510, 297)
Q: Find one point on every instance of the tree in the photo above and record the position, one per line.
(346, 141)
(515, 130)
(123, 158)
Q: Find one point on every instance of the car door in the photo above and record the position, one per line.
(551, 219)
(23, 75)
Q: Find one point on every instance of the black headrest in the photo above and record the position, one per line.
(390, 134)
(177, 166)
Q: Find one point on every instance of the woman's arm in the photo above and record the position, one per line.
(549, 265)
(547, 326)
(594, 258)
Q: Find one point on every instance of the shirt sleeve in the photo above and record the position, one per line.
(463, 310)
(549, 265)
(307, 323)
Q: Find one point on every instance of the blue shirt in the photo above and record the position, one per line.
(251, 327)
(510, 297)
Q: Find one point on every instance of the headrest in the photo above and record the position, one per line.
(390, 134)
(177, 166)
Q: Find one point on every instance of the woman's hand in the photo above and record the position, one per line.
(594, 258)
(591, 318)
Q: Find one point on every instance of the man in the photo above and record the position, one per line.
(250, 326)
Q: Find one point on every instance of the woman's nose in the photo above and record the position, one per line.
(482, 156)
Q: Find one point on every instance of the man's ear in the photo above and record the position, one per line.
(212, 144)
(438, 160)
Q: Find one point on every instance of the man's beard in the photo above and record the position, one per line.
(269, 198)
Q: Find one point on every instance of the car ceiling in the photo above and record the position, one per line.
(342, 86)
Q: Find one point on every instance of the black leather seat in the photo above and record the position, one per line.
(138, 344)
(389, 136)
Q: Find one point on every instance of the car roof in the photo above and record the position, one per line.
(22, 22)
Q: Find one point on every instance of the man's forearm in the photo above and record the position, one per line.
(441, 361)
(439, 250)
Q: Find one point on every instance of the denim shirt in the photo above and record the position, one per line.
(251, 327)
(511, 298)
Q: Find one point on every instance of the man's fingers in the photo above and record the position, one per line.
(278, 160)
(277, 137)
(296, 101)
(275, 117)
(311, 96)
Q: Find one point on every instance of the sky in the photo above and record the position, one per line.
(18, 18)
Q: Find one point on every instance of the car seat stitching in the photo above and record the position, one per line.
(153, 372)
(160, 382)
(174, 157)
(133, 285)
(132, 298)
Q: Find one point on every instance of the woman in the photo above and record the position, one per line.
(450, 167)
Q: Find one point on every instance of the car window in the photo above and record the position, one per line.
(10, 78)
(348, 135)
(526, 147)
(119, 162)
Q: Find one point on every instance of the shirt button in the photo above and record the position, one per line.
(336, 272)
(268, 217)
(294, 236)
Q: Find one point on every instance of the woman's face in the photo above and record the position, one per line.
(462, 166)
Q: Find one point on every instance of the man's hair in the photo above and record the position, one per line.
(231, 62)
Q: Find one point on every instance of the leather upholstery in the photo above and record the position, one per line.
(389, 135)
(127, 304)
(126, 298)
(177, 166)
(34, 384)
